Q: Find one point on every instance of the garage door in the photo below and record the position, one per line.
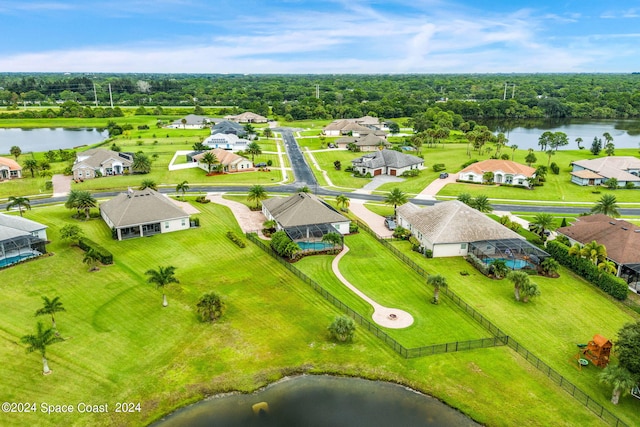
(377, 172)
(392, 172)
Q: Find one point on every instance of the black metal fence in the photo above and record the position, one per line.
(556, 377)
(370, 326)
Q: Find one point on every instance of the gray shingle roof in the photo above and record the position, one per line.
(137, 207)
(389, 158)
(20, 223)
(454, 222)
(612, 167)
(227, 126)
(301, 209)
(97, 157)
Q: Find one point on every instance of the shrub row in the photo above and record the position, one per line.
(283, 245)
(609, 283)
(104, 255)
(236, 239)
(478, 264)
(439, 167)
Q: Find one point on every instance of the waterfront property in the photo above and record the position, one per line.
(504, 172)
(9, 169)
(305, 218)
(625, 169)
(20, 238)
(620, 238)
(139, 213)
(455, 229)
(98, 162)
(386, 162)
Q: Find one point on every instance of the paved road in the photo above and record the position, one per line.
(301, 170)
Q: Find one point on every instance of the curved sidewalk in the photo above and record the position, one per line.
(392, 318)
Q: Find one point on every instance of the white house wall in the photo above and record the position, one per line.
(342, 227)
(174, 225)
(450, 249)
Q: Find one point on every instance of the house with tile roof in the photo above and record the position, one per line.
(230, 161)
(305, 217)
(9, 169)
(386, 162)
(247, 117)
(620, 238)
(625, 169)
(139, 213)
(101, 162)
(504, 172)
(20, 238)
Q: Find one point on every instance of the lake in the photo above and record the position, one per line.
(525, 133)
(320, 401)
(45, 139)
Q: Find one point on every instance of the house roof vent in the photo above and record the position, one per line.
(612, 223)
(625, 228)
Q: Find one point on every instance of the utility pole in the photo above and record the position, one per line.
(504, 95)
(513, 91)
(110, 96)
(317, 91)
(95, 94)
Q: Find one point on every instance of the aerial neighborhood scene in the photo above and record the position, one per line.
(320, 214)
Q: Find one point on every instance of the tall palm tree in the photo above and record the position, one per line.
(148, 183)
(39, 342)
(141, 163)
(437, 281)
(608, 266)
(209, 159)
(343, 201)
(607, 205)
(520, 280)
(162, 277)
(183, 186)
(576, 250)
(541, 223)
(51, 307)
(513, 151)
(396, 197)
(579, 141)
(15, 152)
(85, 201)
(32, 165)
(254, 149)
(620, 378)
(19, 202)
(481, 203)
(594, 252)
(257, 193)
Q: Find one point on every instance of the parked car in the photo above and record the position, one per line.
(261, 165)
(332, 145)
(390, 223)
(444, 175)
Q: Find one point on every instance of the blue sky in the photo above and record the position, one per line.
(330, 36)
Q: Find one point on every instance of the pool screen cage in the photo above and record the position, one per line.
(630, 273)
(516, 249)
(21, 245)
(310, 232)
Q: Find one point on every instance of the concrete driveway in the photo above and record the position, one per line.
(430, 191)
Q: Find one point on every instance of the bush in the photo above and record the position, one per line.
(555, 169)
(353, 227)
(438, 167)
(410, 173)
(104, 256)
(269, 162)
(348, 169)
(614, 286)
(629, 185)
(428, 253)
(342, 328)
(202, 199)
(478, 264)
(470, 162)
(236, 239)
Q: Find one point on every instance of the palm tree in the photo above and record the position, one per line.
(465, 198)
(256, 194)
(541, 223)
(162, 277)
(184, 123)
(51, 306)
(15, 152)
(549, 154)
(148, 183)
(183, 186)
(210, 307)
(342, 328)
(19, 202)
(608, 266)
(396, 197)
(209, 159)
(594, 252)
(576, 250)
(437, 281)
(579, 141)
(85, 201)
(91, 258)
(343, 201)
(141, 163)
(481, 203)
(520, 280)
(607, 205)
(32, 165)
(39, 342)
(529, 290)
(550, 266)
(254, 149)
(333, 238)
(500, 268)
(620, 378)
(513, 151)
(267, 132)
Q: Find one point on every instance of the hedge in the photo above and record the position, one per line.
(614, 286)
(236, 239)
(104, 256)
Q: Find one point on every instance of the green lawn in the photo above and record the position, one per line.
(121, 345)
(339, 178)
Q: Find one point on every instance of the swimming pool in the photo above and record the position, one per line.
(314, 246)
(13, 259)
(514, 264)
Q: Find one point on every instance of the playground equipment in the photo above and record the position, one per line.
(597, 351)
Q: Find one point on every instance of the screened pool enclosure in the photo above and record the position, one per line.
(518, 254)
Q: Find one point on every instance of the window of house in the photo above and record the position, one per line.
(463, 246)
(184, 222)
(166, 224)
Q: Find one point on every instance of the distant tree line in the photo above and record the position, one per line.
(487, 96)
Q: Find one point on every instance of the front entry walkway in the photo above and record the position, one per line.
(392, 318)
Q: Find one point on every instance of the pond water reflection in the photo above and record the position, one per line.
(45, 139)
(322, 401)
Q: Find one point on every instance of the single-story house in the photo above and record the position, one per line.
(20, 238)
(228, 127)
(230, 162)
(191, 121)
(247, 117)
(226, 141)
(504, 172)
(355, 127)
(368, 142)
(305, 217)
(9, 169)
(386, 162)
(139, 213)
(597, 171)
(620, 238)
(101, 162)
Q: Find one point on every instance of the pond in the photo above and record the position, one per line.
(45, 139)
(525, 133)
(321, 401)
